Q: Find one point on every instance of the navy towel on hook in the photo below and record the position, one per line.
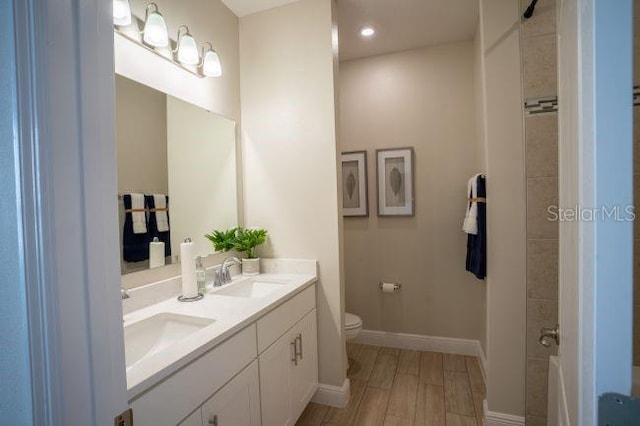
(135, 247)
(165, 237)
(477, 243)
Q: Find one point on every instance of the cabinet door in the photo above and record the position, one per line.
(276, 368)
(237, 403)
(195, 419)
(305, 374)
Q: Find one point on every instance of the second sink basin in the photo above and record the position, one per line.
(154, 334)
(251, 288)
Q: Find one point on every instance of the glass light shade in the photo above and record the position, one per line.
(211, 66)
(121, 12)
(188, 50)
(155, 30)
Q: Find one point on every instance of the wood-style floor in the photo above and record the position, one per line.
(394, 387)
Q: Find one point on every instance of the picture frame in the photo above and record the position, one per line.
(395, 181)
(355, 200)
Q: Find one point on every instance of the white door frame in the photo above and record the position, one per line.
(596, 171)
(65, 132)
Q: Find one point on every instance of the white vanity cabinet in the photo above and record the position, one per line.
(264, 374)
(289, 366)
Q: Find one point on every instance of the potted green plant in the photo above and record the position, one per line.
(247, 241)
(223, 240)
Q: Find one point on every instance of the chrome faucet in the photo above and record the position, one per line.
(124, 294)
(222, 275)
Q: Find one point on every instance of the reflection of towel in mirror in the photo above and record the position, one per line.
(162, 218)
(135, 246)
(164, 236)
(138, 216)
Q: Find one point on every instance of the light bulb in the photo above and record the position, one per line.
(188, 50)
(367, 31)
(121, 12)
(211, 66)
(155, 28)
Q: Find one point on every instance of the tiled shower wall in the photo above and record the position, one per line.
(539, 65)
(636, 181)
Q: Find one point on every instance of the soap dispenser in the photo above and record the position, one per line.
(201, 275)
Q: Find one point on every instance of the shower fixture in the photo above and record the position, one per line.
(529, 12)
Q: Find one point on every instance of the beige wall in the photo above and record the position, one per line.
(289, 149)
(481, 141)
(141, 138)
(506, 225)
(422, 98)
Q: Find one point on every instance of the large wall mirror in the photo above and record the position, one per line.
(177, 174)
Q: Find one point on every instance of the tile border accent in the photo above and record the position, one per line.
(334, 396)
(493, 418)
(545, 105)
(449, 345)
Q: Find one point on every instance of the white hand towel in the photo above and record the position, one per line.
(139, 217)
(470, 225)
(160, 201)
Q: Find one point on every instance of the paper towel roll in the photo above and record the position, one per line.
(188, 266)
(156, 253)
(388, 287)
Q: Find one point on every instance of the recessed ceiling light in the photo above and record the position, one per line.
(367, 31)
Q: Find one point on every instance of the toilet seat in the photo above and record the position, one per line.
(351, 321)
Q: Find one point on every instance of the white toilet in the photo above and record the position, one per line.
(352, 326)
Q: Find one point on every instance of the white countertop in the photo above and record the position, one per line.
(230, 315)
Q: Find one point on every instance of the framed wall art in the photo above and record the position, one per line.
(354, 184)
(395, 179)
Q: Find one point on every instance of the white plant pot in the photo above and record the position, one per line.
(250, 266)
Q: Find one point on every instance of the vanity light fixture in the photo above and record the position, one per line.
(154, 37)
(187, 48)
(155, 28)
(121, 12)
(367, 31)
(211, 66)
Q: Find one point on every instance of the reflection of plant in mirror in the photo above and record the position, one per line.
(223, 240)
(247, 240)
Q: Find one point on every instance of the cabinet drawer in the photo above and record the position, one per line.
(174, 398)
(277, 322)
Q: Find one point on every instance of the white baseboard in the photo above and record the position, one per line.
(492, 418)
(450, 345)
(334, 396)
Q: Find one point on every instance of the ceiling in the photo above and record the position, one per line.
(400, 24)
(247, 7)
(403, 24)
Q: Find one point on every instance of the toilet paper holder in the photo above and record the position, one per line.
(396, 286)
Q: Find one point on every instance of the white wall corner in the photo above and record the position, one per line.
(492, 418)
(483, 362)
(333, 396)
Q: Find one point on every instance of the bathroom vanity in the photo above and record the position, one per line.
(244, 355)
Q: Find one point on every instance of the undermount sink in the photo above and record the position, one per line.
(154, 334)
(252, 288)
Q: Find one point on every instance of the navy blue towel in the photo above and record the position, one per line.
(135, 247)
(477, 244)
(165, 237)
